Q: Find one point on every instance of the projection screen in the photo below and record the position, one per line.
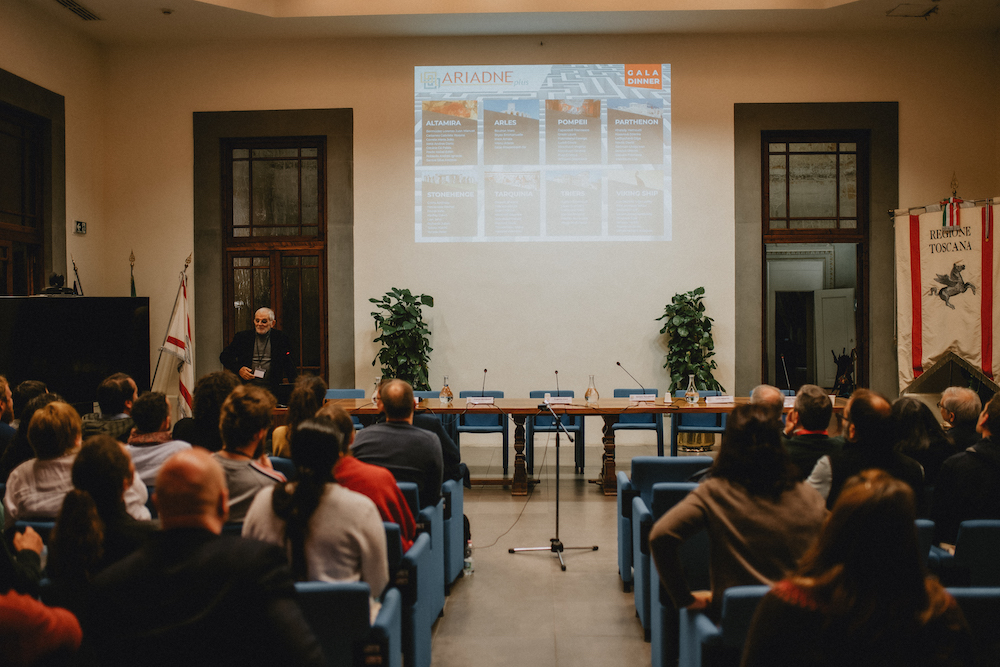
(542, 153)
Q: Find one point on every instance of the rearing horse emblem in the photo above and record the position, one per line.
(953, 284)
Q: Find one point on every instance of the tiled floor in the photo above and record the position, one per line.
(520, 609)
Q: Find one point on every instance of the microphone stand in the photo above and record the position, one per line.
(556, 545)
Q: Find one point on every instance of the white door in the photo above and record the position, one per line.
(834, 309)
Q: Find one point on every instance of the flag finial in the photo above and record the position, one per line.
(131, 258)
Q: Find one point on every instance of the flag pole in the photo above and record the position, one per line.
(177, 298)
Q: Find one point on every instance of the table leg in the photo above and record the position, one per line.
(520, 484)
(608, 479)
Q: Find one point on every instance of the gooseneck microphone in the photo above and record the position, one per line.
(483, 392)
(631, 376)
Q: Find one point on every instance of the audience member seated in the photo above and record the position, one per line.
(23, 393)
(960, 408)
(246, 417)
(806, 437)
(868, 444)
(115, 396)
(21, 571)
(19, 450)
(191, 596)
(34, 634)
(920, 436)
(331, 533)
(371, 480)
(6, 414)
(93, 529)
(151, 442)
(411, 454)
(759, 519)
(968, 485)
(861, 596)
(202, 428)
(36, 488)
(451, 455)
(305, 400)
(770, 397)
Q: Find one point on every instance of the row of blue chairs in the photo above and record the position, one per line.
(702, 642)
(421, 579)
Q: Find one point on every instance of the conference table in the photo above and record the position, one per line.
(519, 409)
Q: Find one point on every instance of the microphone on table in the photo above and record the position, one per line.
(631, 376)
(483, 392)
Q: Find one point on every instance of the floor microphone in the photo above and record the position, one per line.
(483, 392)
(631, 376)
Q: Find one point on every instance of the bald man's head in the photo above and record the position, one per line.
(191, 491)
(771, 397)
(397, 400)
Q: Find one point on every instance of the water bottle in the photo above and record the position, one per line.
(469, 566)
(591, 396)
(691, 395)
(446, 396)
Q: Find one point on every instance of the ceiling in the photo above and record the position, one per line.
(144, 21)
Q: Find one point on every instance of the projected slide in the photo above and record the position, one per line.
(542, 153)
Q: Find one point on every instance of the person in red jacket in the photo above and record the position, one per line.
(371, 480)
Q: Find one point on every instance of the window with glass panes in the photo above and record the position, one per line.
(814, 185)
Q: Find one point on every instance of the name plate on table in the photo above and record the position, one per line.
(789, 402)
(642, 398)
(558, 400)
(718, 400)
(479, 400)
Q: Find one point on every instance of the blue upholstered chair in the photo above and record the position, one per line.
(664, 620)
(485, 420)
(149, 501)
(232, 528)
(347, 393)
(695, 423)
(430, 520)
(977, 555)
(454, 531)
(703, 642)
(664, 496)
(646, 422)
(339, 614)
(285, 466)
(544, 423)
(449, 422)
(981, 607)
(925, 538)
(417, 577)
(646, 471)
(43, 528)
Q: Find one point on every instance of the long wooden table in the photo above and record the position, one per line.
(519, 409)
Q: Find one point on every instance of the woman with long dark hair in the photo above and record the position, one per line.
(93, 529)
(759, 519)
(331, 532)
(303, 403)
(919, 435)
(861, 595)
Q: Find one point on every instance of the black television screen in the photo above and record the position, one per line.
(71, 343)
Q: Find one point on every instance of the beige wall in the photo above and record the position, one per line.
(522, 310)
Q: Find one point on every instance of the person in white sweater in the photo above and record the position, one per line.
(331, 533)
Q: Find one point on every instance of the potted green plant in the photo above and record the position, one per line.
(691, 345)
(404, 336)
